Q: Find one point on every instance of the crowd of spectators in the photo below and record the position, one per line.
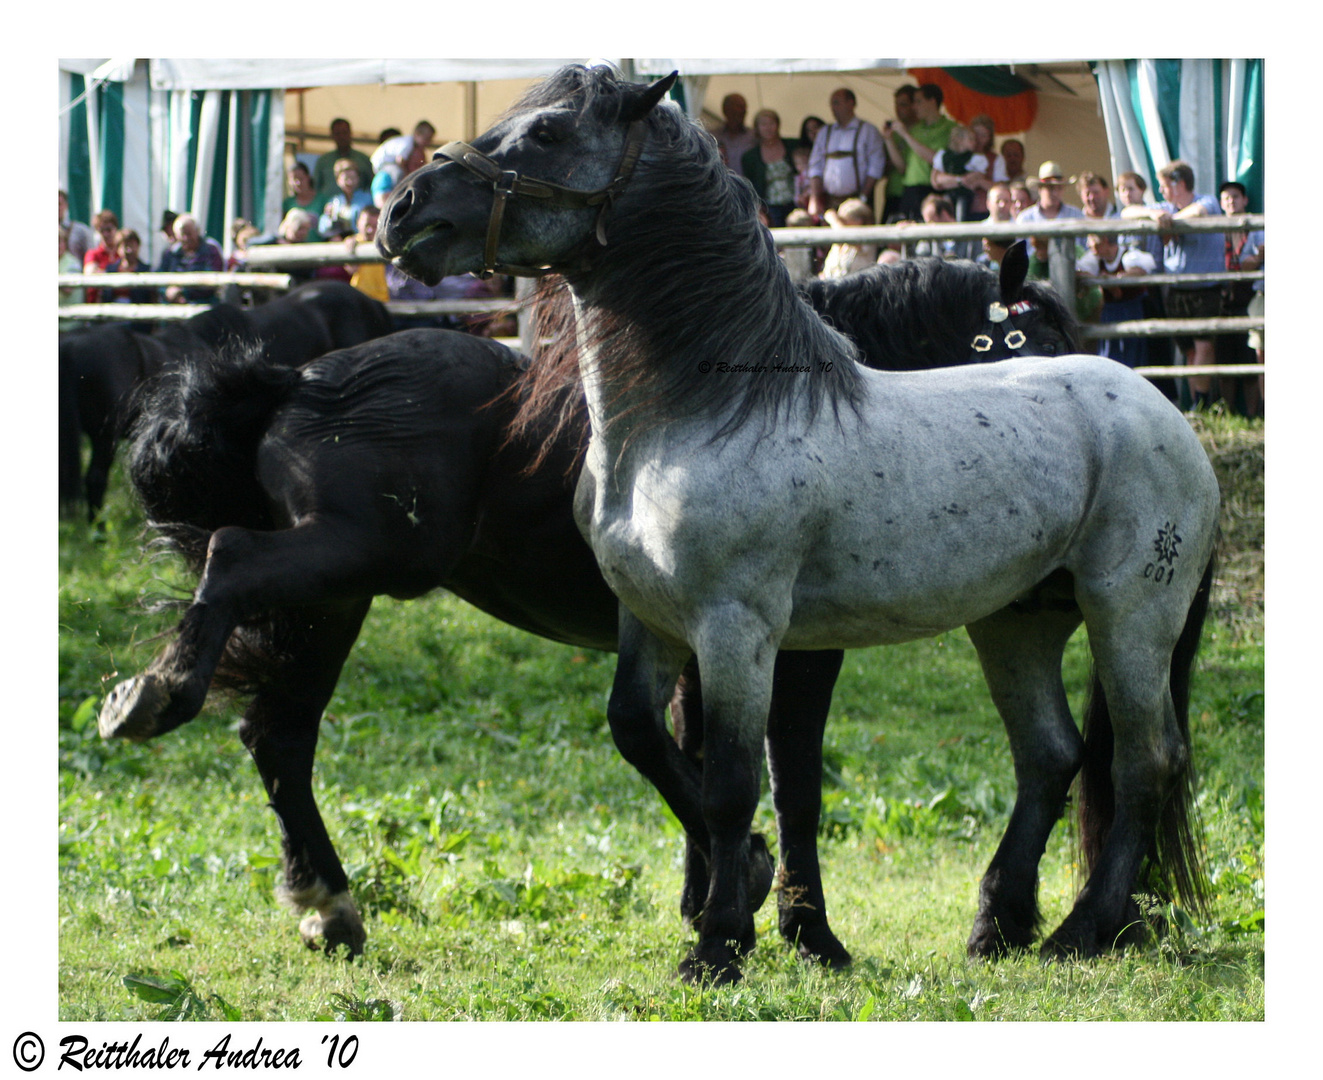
(923, 166)
(919, 166)
(338, 199)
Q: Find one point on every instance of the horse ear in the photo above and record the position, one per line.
(638, 106)
(1014, 269)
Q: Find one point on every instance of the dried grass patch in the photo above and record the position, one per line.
(1236, 450)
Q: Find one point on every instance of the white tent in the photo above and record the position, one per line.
(211, 135)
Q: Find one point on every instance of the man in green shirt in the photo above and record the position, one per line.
(323, 172)
(912, 154)
(895, 182)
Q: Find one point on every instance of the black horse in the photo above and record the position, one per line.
(292, 532)
(98, 370)
(100, 366)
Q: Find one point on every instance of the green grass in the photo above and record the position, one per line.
(510, 866)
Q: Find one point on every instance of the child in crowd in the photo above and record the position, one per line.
(128, 246)
(342, 209)
(958, 160)
(845, 259)
(800, 156)
(368, 277)
(798, 260)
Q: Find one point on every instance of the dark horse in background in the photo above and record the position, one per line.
(388, 469)
(101, 366)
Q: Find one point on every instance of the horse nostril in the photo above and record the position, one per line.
(401, 204)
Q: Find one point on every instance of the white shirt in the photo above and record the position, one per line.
(1126, 259)
(838, 172)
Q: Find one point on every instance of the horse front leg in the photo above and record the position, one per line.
(97, 478)
(172, 689)
(279, 729)
(687, 726)
(801, 699)
(736, 653)
(246, 573)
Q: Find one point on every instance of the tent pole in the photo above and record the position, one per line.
(231, 175)
(94, 149)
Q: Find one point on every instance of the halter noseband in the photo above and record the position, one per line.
(507, 182)
(998, 313)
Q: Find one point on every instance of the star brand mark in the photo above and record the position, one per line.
(1166, 543)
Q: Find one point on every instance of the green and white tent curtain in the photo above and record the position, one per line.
(1208, 113)
(126, 147)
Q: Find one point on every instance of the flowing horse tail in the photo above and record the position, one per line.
(193, 452)
(193, 463)
(1175, 860)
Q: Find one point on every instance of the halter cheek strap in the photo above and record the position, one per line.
(507, 183)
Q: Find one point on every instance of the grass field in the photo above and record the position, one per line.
(510, 866)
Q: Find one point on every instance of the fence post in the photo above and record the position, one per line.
(1061, 269)
(524, 287)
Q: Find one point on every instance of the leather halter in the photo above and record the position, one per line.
(998, 313)
(507, 182)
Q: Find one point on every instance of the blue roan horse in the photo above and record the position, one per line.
(749, 488)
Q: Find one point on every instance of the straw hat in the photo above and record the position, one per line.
(1051, 173)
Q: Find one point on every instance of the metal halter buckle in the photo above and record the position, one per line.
(1015, 339)
(982, 343)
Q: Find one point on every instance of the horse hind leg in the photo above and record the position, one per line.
(1020, 649)
(1142, 662)
(687, 727)
(279, 729)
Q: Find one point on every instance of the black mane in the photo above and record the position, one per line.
(733, 304)
(909, 315)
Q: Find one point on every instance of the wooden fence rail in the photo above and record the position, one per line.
(1061, 235)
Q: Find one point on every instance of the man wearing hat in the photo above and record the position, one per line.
(1049, 206)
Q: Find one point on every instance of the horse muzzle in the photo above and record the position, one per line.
(413, 234)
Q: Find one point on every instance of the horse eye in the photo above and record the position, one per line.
(546, 136)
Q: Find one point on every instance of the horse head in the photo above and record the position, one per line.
(534, 192)
(1025, 319)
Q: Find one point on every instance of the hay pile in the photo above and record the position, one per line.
(1236, 451)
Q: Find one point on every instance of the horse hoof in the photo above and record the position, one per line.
(1081, 937)
(131, 709)
(819, 945)
(1074, 939)
(699, 969)
(331, 927)
(762, 872)
(994, 939)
